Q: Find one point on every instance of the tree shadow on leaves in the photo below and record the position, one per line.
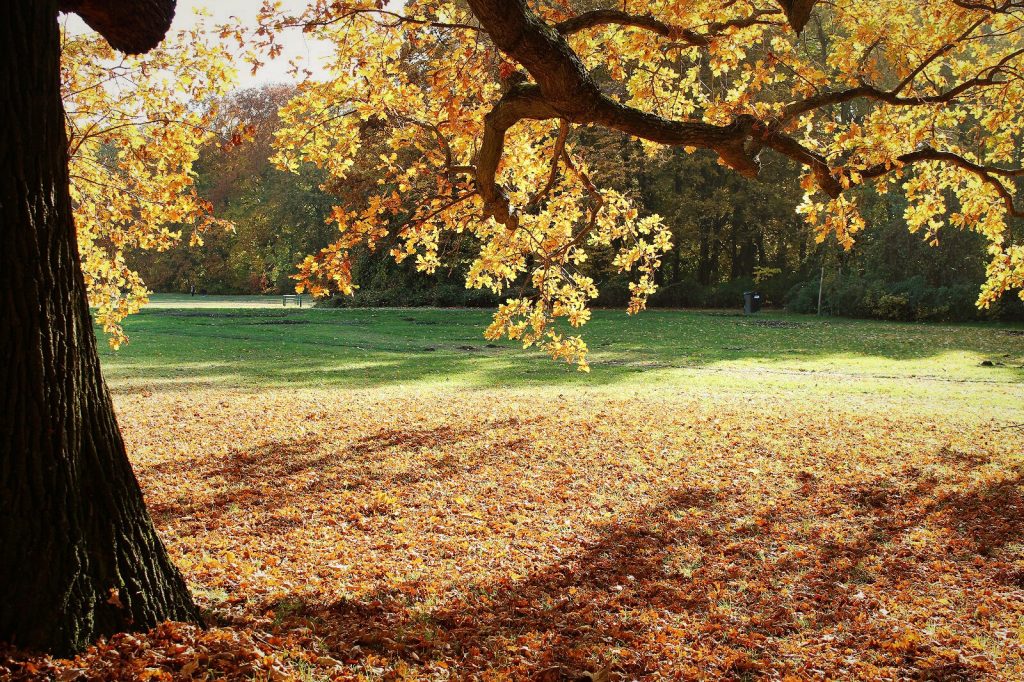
(747, 589)
(602, 605)
(302, 471)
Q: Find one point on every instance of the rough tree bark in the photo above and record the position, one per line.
(79, 556)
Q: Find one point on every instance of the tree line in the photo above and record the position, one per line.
(730, 234)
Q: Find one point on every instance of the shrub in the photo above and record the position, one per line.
(909, 300)
(893, 307)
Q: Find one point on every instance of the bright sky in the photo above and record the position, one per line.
(296, 44)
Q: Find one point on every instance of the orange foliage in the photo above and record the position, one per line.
(422, 534)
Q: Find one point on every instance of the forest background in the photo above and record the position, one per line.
(730, 235)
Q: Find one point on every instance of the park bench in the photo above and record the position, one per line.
(294, 298)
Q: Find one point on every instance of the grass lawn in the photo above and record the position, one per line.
(180, 342)
(381, 495)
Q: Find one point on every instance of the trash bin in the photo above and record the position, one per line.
(751, 302)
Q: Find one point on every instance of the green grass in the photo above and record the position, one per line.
(177, 342)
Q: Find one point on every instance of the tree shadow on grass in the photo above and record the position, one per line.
(747, 601)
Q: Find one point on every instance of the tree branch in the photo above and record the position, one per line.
(985, 78)
(131, 27)
(797, 12)
(988, 174)
(556, 156)
(647, 22)
(564, 89)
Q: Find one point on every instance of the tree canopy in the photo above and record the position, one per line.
(480, 111)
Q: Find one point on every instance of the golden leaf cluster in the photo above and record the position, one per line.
(135, 126)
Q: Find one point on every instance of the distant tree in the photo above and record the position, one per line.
(724, 225)
(277, 217)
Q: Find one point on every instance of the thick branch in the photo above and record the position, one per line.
(988, 174)
(520, 102)
(564, 89)
(131, 27)
(798, 12)
(647, 22)
(605, 17)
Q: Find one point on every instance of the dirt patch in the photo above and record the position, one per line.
(778, 324)
(217, 314)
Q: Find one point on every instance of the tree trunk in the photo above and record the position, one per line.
(734, 251)
(782, 255)
(716, 251)
(677, 262)
(79, 556)
(704, 252)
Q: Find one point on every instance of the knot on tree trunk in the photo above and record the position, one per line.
(797, 12)
(740, 149)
